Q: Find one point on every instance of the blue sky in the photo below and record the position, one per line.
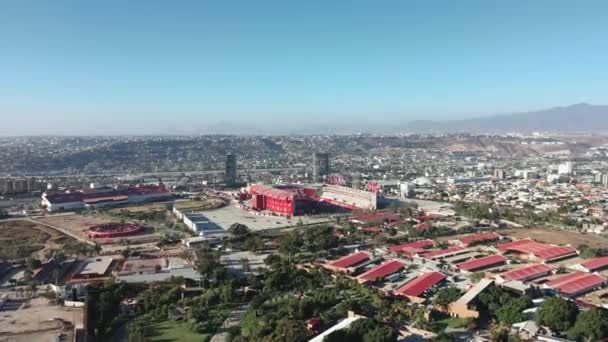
(149, 66)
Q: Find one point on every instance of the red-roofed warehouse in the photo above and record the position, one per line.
(481, 263)
(380, 272)
(346, 262)
(417, 287)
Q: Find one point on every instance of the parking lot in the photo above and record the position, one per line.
(228, 215)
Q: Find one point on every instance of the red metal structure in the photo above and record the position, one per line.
(114, 229)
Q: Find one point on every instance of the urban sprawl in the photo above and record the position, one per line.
(455, 237)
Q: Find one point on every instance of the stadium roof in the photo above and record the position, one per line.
(350, 260)
(418, 286)
(272, 192)
(469, 239)
(576, 283)
(409, 245)
(542, 251)
(480, 263)
(596, 263)
(527, 272)
(381, 271)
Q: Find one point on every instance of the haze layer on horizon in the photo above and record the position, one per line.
(144, 67)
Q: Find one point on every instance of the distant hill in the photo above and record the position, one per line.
(580, 117)
(575, 118)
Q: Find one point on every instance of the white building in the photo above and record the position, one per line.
(565, 168)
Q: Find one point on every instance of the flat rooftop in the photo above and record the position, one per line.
(98, 265)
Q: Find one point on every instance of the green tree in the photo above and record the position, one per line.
(319, 238)
(253, 244)
(591, 325)
(239, 230)
(443, 337)
(289, 330)
(512, 311)
(290, 244)
(446, 296)
(33, 263)
(557, 313)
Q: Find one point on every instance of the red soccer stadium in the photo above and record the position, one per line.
(114, 229)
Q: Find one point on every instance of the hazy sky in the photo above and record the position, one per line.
(153, 66)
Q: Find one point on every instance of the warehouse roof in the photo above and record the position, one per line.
(480, 263)
(542, 251)
(381, 271)
(576, 283)
(596, 263)
(350, 260)
(418, 286)
(527, 272)
(469, 239)
(407, 246)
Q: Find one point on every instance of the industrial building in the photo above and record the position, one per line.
(574, 284)
(380, 272)
(202, 226)
(535, 251)
(104, 197)
(415, 289)
(93, 268)
(525, 273)
(348, 262)
(482, 263)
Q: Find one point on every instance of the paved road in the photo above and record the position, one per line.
(233, 319)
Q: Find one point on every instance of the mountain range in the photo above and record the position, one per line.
(580, 117)
(577, 118)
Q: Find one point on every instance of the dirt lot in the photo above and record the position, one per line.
(36, 322)
(20, 239)
(557, 236)
(74, 223)
(141, 208)
(79, 224)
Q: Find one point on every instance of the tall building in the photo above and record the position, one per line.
(320, 166)
(500, 174)
(231, 174)
(598, 177)
(565, 168)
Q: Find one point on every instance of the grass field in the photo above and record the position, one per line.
(205, 204)
(455, 322)
(169, 331)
